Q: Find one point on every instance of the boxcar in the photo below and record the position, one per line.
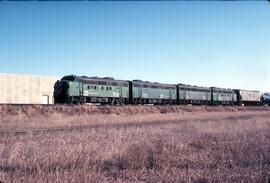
(193, 94)
(222, 96)
(82, 89)
(248, 97)
(144, 92)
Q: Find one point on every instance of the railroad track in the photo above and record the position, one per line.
(107, 105)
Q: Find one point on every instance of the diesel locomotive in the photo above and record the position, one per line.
(74, 89)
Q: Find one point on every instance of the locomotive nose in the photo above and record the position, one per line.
(56, 84)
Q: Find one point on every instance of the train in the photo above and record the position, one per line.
(72, 89)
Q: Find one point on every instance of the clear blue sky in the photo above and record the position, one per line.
(225, 44)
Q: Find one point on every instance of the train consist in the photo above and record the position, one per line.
(73, 89)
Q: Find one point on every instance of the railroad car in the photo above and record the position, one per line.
(248, 97)
(145, 92)
(194, 94)
(221, 96)
(265, 99)
(82, 89)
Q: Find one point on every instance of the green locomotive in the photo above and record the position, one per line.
(145, 92)
(194, 94)
(221, 96)
(82, 89)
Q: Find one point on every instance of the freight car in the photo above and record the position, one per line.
(194, 94)
(265, 99)
(145, 92)
(221, 96)
(248, 97)
(82, 89)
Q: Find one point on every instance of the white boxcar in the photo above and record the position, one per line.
(248, 97)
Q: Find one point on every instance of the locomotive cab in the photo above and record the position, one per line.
(61, 91)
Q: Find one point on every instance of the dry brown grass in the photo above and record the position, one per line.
(134, 144)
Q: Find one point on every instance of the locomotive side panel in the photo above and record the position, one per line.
(222, 96)
(194, 95)
(146, 92)
(93, 90)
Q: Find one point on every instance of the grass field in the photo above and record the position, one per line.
(134, 144)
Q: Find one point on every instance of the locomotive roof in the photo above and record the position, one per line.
(91, 79)
(148, 83)
(222, 89)
(193, 86)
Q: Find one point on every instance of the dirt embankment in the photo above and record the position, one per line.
(33, 110)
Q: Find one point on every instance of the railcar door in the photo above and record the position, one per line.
(81, 89)
(140, 92)
(181, 95)
(120, 91)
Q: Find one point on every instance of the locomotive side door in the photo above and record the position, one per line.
(120, 91)
(81, 89)
(140, 92)
(185, 97)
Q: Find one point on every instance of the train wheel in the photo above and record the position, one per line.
(121, 101)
